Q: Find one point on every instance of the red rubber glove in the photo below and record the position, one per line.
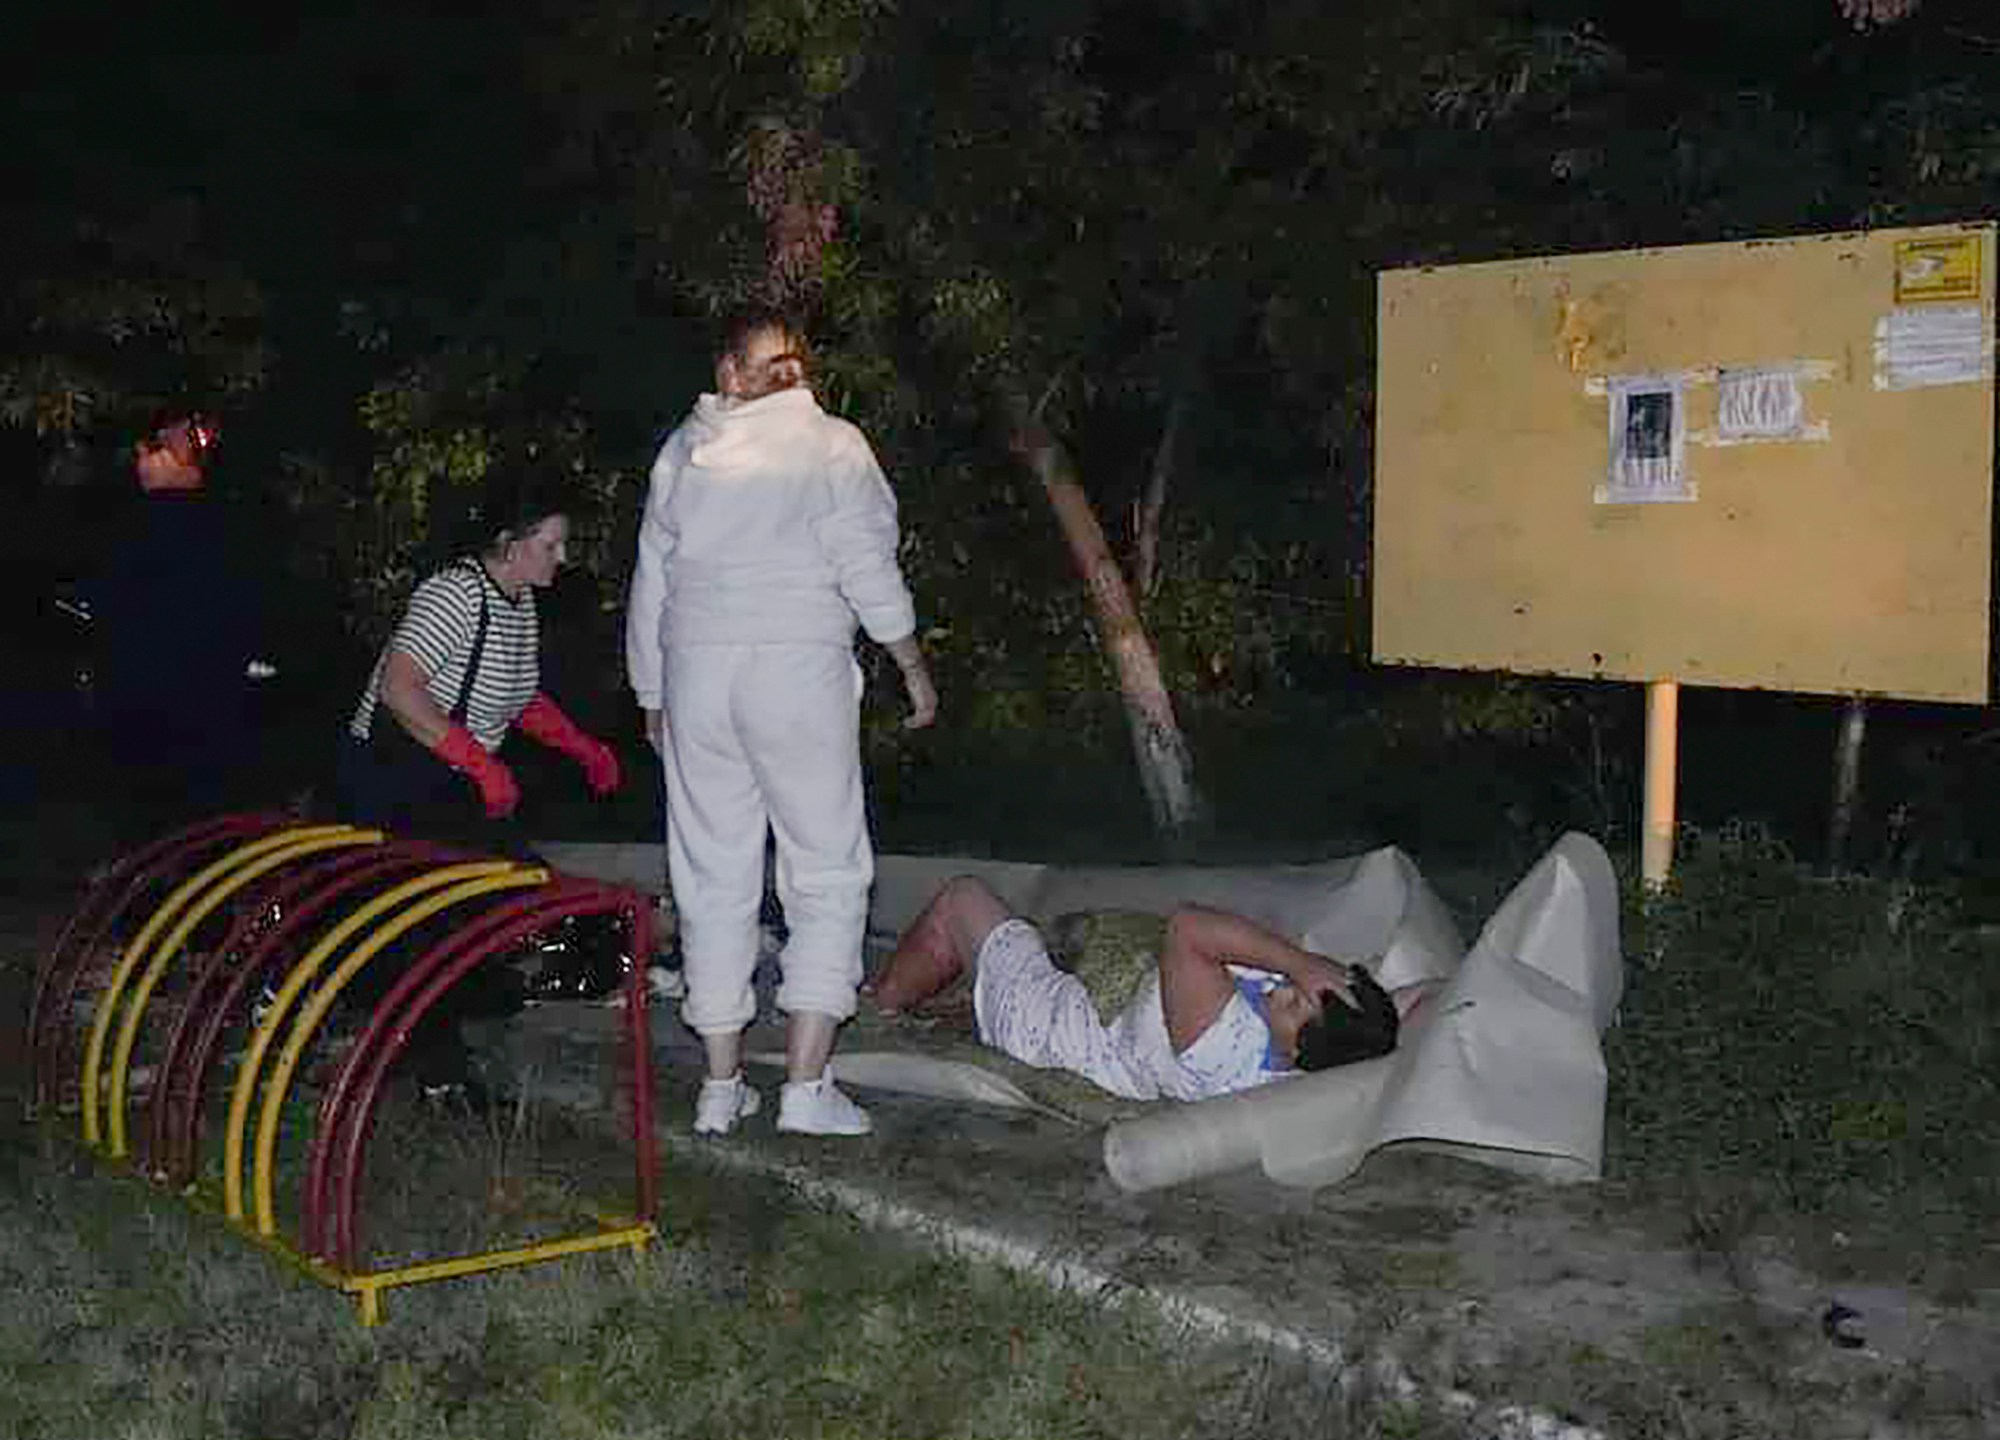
(471, 759)
(545, 721)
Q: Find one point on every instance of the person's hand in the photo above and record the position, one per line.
(923, 698)
(544, 720)
(600, 766)
(909, 658)
(1409, 999)
(656, 731)
(498, 791)
(1316, 974)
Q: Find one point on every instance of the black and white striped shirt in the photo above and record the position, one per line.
(437, 632)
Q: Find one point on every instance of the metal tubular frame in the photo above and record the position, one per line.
(347, 1110)
(348, 1169)
(313, 1012)
(244, 1093)
(198, 910)
(193, 1048)
(316, 1195)
(116, 879)
(62, 972)
(182, 898)
(285, 877)
(172, 1093)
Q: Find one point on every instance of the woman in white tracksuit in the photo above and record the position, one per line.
(769, 533)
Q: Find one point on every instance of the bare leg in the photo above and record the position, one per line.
(939, 944)
(811, 1104)
(808, 1043)
(725, 1054)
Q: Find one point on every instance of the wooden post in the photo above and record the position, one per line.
(1663, 718)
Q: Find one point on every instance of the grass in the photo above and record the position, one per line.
(1821, 1051)
(135, 1315)
(132, 1315)
(1804, 1062)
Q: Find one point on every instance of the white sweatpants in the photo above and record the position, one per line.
(766, 736)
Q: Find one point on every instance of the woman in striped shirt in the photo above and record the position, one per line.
(461, 671)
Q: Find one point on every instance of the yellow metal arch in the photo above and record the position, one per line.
(200, 910)
(263, 1174)
(301, 975)
(121, 974)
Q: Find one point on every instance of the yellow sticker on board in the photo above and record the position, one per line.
(1944, 267)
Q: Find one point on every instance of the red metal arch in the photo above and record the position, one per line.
(271, 891)
(106, 899)
(317, 1194)
(348, 1109)
(216, 995)
(251, 904)
(50, 1030)
(278, 892)
(107, 883)
(176, 1124)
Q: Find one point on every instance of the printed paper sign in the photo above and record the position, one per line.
(1938, 268)
(1765, 404)
(1916, 347)
(1648, 441)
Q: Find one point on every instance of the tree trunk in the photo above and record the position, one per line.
(1846, 782)
(1166, 767)
(1147, 513)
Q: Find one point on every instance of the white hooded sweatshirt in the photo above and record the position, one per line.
(768, 521)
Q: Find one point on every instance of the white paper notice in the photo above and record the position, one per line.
(1648, 441)
(1765, 403)
(1921, 345)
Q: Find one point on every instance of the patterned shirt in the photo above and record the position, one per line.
(1046, 1017)
(437, 631)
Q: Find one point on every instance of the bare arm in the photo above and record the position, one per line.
(405, 694)
(909, 658)
(1195, 984)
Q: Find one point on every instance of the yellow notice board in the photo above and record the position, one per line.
(1766, 464)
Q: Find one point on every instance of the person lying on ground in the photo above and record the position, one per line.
(1229, 1004)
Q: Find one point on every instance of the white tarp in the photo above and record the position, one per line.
(1503, 1065)
(1373, 904)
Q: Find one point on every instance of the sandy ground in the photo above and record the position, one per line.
(1469, 1278)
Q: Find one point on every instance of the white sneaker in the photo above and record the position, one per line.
(722, 1103)
(817, 1107)
(661, 984)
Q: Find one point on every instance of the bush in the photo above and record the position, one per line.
(1828, 1043)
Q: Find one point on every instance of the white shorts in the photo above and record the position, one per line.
(1044, 1016)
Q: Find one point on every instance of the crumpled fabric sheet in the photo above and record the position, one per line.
(1503, 1066)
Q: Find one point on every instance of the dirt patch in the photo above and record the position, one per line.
(1619, 1309)
(1470, 1278)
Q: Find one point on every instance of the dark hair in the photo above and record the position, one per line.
(746, 322)
(513, 503)
(1343, 1033)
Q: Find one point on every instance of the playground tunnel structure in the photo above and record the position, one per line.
(253, 932)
